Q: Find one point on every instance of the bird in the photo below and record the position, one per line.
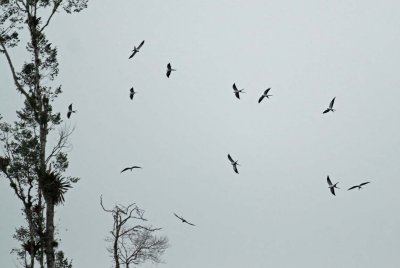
(332, 186)
(70, 111)
(183, 220)
(236, 91)
(132, 93)
(136, 49)
(359, 186)
(330, 108)
(265, 94)
(169, 69)
(234, 163)
(130, 168)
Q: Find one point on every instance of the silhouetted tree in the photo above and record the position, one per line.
(33, 171)
(133, 244)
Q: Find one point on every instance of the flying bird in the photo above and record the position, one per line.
(169, 70)
(236, 91)
(330, 108)
(130, 168)
(136, 49)
(265, 94)
(234, 163)
(359, 186)
(332, 186)
(132, 93)
(70, 111)
(183, 220)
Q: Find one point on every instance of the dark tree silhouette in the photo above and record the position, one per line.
(32, 166)
(133, 243)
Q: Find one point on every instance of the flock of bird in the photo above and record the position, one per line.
(234, 164)
(237, 93)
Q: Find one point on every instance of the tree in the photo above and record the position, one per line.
(35, 173)
(133, 244)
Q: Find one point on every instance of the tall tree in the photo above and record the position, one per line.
(35, 173)
(131, 242)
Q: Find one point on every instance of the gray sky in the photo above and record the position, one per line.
(278, 212)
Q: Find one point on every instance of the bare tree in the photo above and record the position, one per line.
(131, 242)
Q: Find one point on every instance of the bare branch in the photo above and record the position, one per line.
(101, 203)
(61, 144)
(55, 7)
(19, 86)
(133, 244)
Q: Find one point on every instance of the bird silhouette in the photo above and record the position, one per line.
(70, 111)
(169, 69)
(236, 91)
(330, 108)
(136, 50)
(265, 94)
(132, 93)
(359, 186)
(130, 168)
(183, 220)
(332, 186)
(234, 164)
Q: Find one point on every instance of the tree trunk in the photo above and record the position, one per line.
(49, 247)
(116, 259)
(32, 251)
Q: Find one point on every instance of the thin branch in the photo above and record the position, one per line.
(19, 86)
(61, 144)
(134, 228)
(55, 7)
(101, 203)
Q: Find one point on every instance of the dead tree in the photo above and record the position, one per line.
(131, 242)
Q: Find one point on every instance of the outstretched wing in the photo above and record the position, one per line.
(230, 158)
(327, 110)
(190, 223)
(329, 181)
(332, 102)
(141, 44)
(133, 54)
(261, 98)
(178, 216)
(68, 114)
(136, 167)
(125, 169)
(234, 87)
(266, 91)
(332, 190)
(168, 72)
(237, 95)
(169, 66)
(364, 183)
(235, 169)
(351, 188)
(70, 107)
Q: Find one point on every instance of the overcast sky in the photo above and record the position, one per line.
(278, 212)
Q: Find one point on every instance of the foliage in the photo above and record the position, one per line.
(33, 169)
